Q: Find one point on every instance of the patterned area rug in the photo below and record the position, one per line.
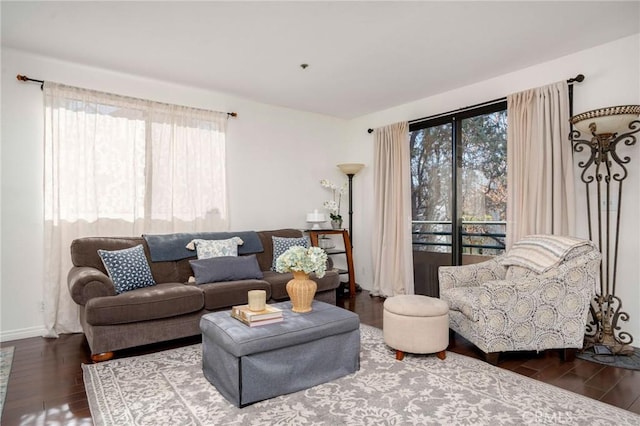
(6, 359)
(168, 388)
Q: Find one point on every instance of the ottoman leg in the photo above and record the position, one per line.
(399, 355)
(441, 354)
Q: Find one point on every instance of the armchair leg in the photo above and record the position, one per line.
(105, 356)
(568, 354)
(492, 357)
(399, 355)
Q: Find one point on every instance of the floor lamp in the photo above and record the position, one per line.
(606, 170)
(350, 169)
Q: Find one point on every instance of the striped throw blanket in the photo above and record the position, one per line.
(540, 253)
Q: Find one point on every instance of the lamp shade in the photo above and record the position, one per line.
(606, 120)
(350, 168)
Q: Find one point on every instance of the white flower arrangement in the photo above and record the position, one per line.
(333, 205)
(301, 259)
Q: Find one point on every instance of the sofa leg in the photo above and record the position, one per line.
(105, 356)
(568, 354)
(442, 354)
(492, 358)
(399, 355)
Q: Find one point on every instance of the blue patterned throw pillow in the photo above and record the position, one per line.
(282, 244)
(127, 268)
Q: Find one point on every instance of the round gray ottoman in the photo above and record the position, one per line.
(416, 324)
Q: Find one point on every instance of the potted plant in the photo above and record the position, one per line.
(334, 204)
(302, 261)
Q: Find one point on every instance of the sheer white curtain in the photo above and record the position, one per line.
(119, 166)
(540, 181)
(392, 249)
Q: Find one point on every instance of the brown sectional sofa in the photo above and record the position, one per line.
(172, 308)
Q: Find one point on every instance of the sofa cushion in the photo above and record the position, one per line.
(127, 268)
(207, 249)
(226, 268)
(223, 295)
(282, 244)
(159, 301)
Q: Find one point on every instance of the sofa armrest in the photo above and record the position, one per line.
(86, 283)
(470, 275)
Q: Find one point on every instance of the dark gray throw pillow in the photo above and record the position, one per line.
(226, 268)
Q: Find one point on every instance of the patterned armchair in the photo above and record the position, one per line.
(534, 297)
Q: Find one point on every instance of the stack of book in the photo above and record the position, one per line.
(251, 318)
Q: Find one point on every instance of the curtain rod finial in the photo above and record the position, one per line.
(369, 130)
(578, 78)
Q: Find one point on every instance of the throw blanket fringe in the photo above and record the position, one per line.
(170, 247)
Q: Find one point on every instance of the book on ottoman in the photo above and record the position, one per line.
(251, 318)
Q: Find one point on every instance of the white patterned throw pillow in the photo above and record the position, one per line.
(127, 268)
(206, 249)
(282, 244)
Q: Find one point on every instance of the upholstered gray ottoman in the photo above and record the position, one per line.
(249, 364)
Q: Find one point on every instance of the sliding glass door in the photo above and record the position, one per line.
(458, 184)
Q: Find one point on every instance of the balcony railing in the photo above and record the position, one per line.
(478, 237)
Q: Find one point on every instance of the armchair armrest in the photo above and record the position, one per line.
(86, 283)
(470, 275)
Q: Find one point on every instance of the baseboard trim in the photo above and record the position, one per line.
(24, 333)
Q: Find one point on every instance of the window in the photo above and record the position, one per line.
(119, 158)
(458, 185)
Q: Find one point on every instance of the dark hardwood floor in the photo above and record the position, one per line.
(46, 386)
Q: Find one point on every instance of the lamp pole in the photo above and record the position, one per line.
(350, 176)
(350, 169)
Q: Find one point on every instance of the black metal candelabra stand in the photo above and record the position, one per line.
(606, 170)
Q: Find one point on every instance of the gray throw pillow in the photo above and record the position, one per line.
(226, 268)
(128, 268)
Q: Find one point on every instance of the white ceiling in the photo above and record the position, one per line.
(363, 56)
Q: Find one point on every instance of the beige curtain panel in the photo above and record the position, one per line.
(540, 177)
(115, 165)
(392, 249)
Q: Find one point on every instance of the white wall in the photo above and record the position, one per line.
(612, 78)
(276, 158)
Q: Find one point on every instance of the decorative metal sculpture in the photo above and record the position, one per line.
(604, 168)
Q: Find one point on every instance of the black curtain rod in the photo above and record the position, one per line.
(579, 78)
(25, 78)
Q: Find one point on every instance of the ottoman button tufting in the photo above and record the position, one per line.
(416, 324)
